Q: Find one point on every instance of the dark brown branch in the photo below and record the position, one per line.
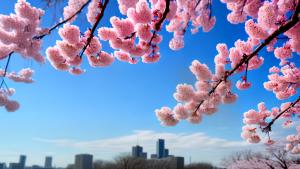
(198, 2)
(285, 27)
(63, 22)
(158, 24)
(93, 29)
(6, 67)
(268, 128)
(164, 16)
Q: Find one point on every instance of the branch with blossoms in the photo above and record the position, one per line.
(93, 29)
(48, 31)
(45, 32)
(214, 89)
(157, 25)
(246, 58)
(34, 37)
(268, 128)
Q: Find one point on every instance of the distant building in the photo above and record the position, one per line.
(160, 148)
(22, 161)
(2, 166)
(166, 153)
(144, 155)
(14, 166)
(137, 151)
(83, 161)
(48, 162)
(176, 162)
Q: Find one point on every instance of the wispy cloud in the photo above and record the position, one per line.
(147, 138)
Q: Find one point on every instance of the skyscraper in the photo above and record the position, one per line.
(48, 162)
(160, 148)
(137, 151)
(22, 161)
(2, 166)
(83, 161)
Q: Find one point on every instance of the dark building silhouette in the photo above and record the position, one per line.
(83, 161)
(178, 162)
(166, 153)
(14, 166)
(2, 166)
(160, 148)
(137, 151)
(22, 161)
(48, 162)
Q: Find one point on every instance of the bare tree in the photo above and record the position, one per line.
(276, 157)
(199, 166)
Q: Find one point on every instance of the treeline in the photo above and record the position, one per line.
(128, 162)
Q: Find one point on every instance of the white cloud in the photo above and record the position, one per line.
(181, 142)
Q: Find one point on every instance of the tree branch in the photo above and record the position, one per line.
(42, 36)
(268, 128)
(6, 67)
(99, 17)
(288, 25)
(158, 24)
(63, 22)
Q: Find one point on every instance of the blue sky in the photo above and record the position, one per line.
(62, 115)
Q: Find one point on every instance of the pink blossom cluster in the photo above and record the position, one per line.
(270, 16)
(94, 9)
(196, 101)
(72, 8)
(123, 35)
(293, 142)
(196, 12)
(10, 105)
(256, 120)
(66, 54)
(17, 32)
(24, 75)
(203, 99)
(266, 12)
(283, 82)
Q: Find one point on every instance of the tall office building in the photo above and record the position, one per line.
(2, 166)
(48, 162)
(83, 161)
(137, 151)
(22, 161)
(160, 148)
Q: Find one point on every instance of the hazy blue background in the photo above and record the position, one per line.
(62, 115)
